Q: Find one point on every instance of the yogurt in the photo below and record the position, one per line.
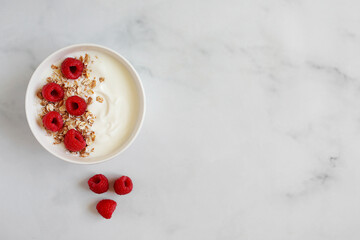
(117, 115)
(110, 125)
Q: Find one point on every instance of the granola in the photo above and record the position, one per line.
(82, 87)
(99, 99)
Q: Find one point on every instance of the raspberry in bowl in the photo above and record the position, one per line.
(85, 104)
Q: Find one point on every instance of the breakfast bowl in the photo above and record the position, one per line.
(114, 100)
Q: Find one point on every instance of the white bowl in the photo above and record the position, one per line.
(32, 104)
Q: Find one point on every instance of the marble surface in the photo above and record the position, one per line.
(252, 128)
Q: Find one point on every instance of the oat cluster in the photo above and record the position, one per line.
(82, 87)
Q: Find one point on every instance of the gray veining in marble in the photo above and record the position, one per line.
(252, 128)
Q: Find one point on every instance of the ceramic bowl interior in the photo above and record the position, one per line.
(32, 104)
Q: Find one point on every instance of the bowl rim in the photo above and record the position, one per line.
(140, 89)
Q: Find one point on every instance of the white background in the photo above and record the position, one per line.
(252, 128)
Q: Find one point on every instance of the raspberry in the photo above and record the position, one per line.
(76, 105)
(98, 183)
(106, 207)
(74, 141)
(52, 92)
(72, 68)
(123, 185)
(53, 121)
